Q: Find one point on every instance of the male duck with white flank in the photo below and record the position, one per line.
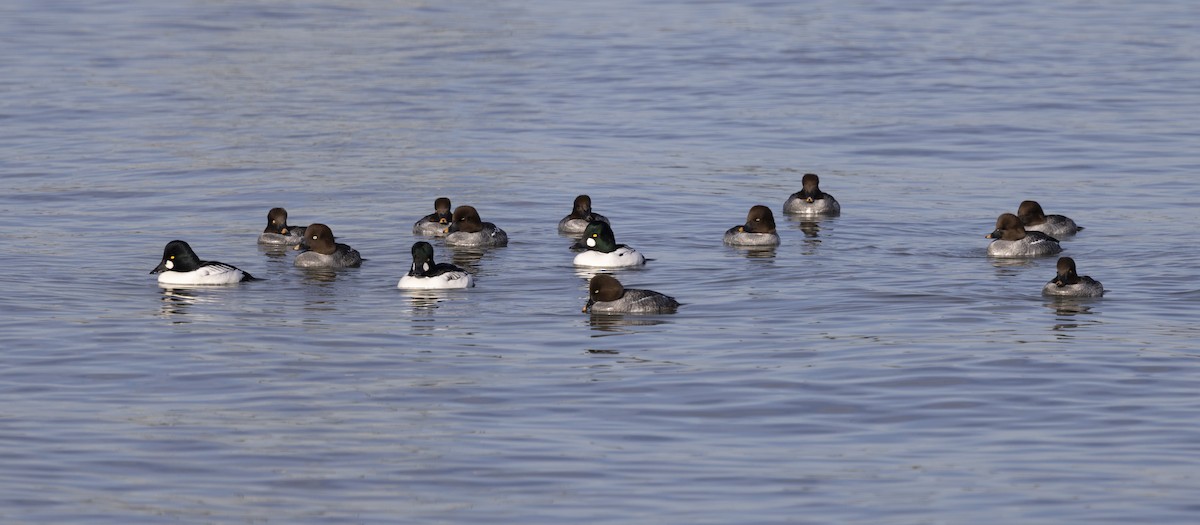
(602, 251)
(181, 266)
(428, 275)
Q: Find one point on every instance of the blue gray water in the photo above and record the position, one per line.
(875, 368)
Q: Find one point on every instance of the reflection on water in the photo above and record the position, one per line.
(176, 302)
(587, 272)
(811, 226)
(618, 324)
(808, 225)
(1006, 267)
(469, 258)
(756, 252)
(425, 301)
(319, 275)
(1069, 312)
(274, 251)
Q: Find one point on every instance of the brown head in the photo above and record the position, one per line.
(760, 220)
(1031, 213)
(582, 209)
(318, 238)
(466, 219)
(603, 288)
(1066, 272)
(441, 207)
(1008, 228)
(811, 190)
(277, 221)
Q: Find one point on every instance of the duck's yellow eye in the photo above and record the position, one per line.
(172, 257)
(595, 235)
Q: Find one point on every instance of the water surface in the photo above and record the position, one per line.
(875, 368)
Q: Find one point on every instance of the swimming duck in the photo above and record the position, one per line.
(581, 214)
(434, 224)
(467, 229)
(1034, 219)
(181, 266)
(1011, 240)
(278, 231)
(1068, 283)
(606, 295)
(427, 275)
(811, 200)
(323, 251)
(601, 249)
(759, 229)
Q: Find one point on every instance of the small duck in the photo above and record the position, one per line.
(811, 200)
(607, 296)
(181, 266)
(278, 231)
(434, 224)
(1070, 284)
(759, 229)
(468, 230)
(323, 252)
(1011, 240)
(601, 249)
(427, 275)
(1034, 219)
(581, 214)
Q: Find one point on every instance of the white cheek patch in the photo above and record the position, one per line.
(591, 243)
(170, 264)
(425, 266)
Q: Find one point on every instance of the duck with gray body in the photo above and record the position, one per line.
(1036, 220)
(581, 214)
(1011, 240)
(1068, 282)
(810, 200)
(468, 230)
(606, 295)
(278, 232)
(434, 224)
(323, 251)
(759, 229)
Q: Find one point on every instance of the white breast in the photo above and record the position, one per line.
(623, 256)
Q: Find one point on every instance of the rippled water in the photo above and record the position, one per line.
(875, 368)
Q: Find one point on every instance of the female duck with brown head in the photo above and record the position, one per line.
(1035, 220)
(759, 229)
(468, 230)
(1011, 240)
(811, 200)
(323, 251)
(434, 224)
